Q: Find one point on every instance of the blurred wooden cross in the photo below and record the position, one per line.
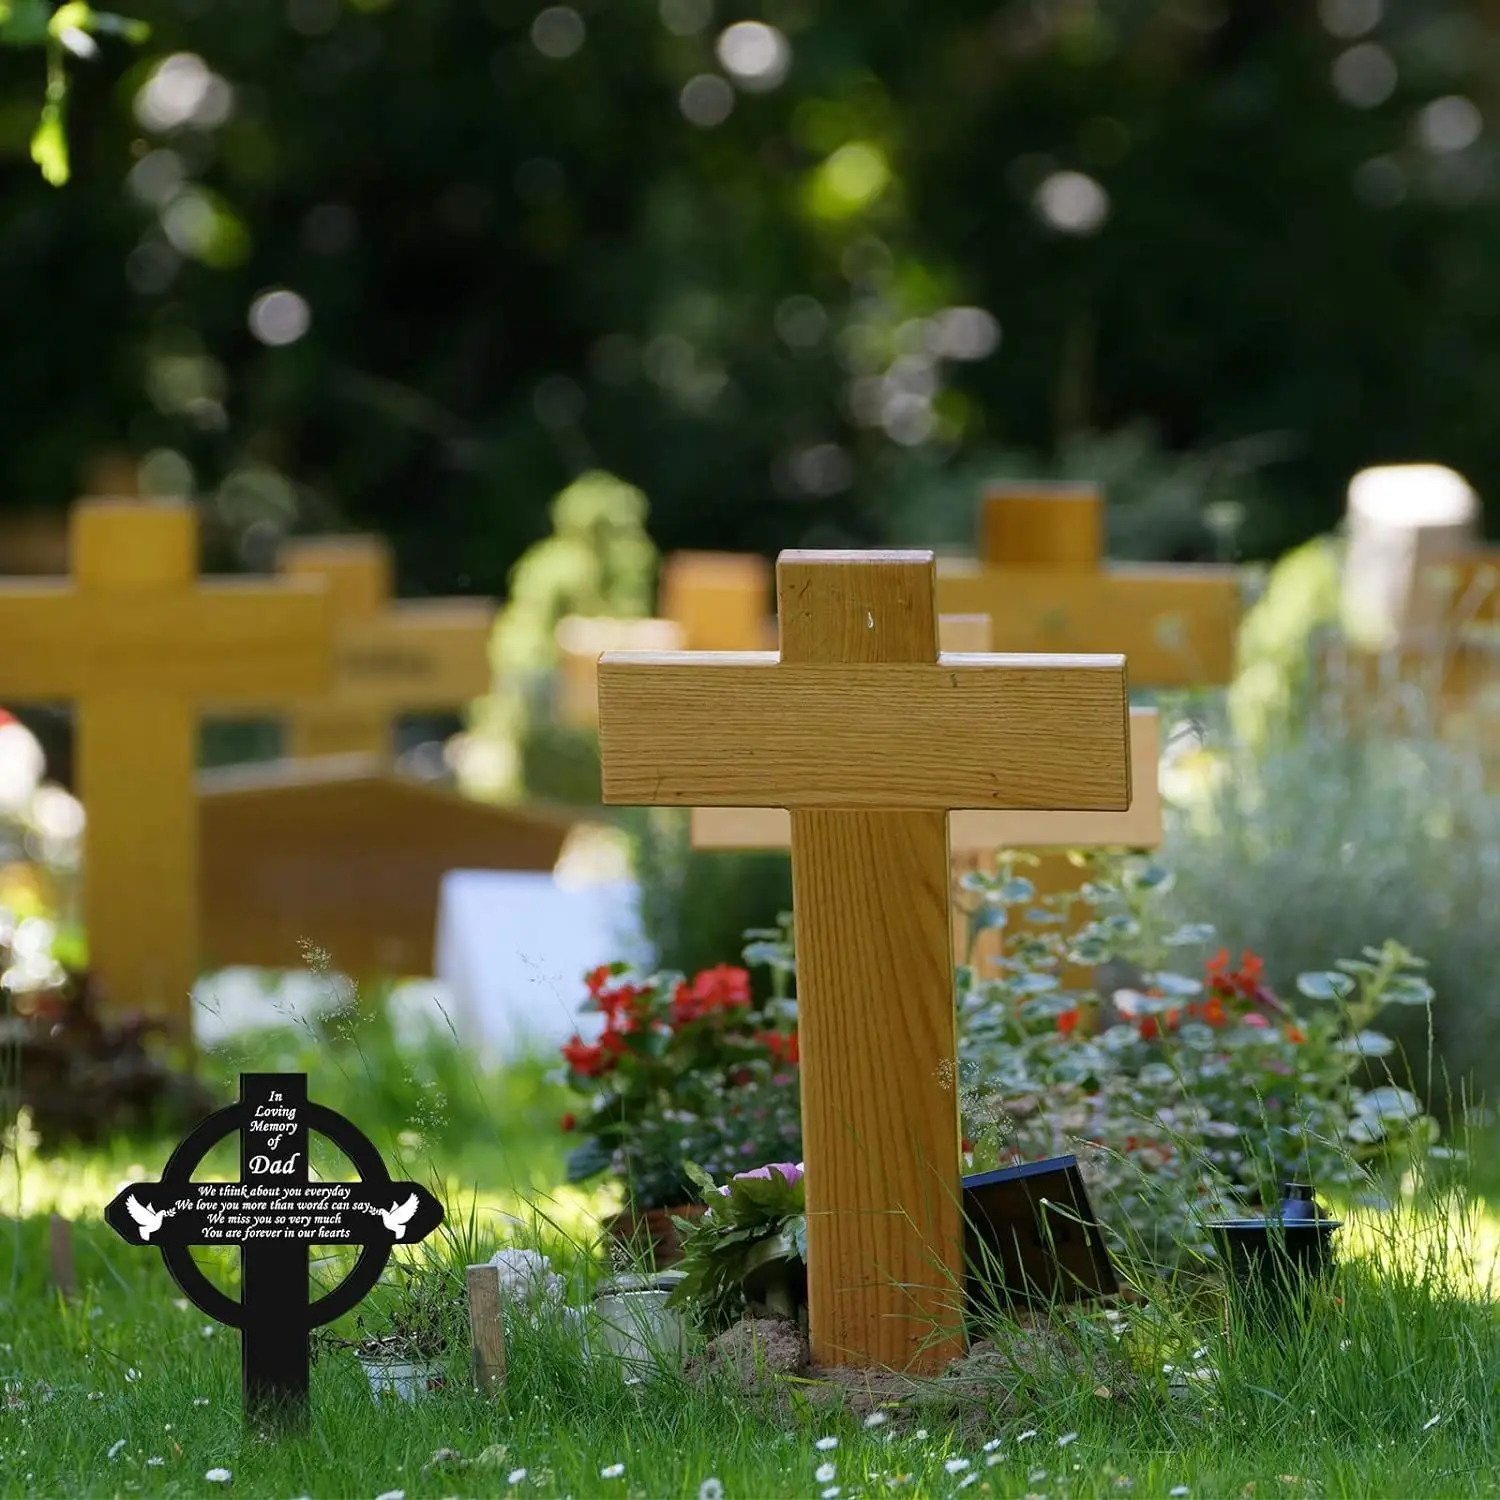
(870, 738)
(390, 656)
(1042, 578)
(137, 642)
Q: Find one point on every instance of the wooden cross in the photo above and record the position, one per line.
(581, 640)
(870, 737)
(721, 600)
(137, 643)
(1042, 579)
(389, 656)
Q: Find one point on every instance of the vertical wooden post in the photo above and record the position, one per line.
(1056, 527)
(875, 985)
(61, 1264)
(486, 1326)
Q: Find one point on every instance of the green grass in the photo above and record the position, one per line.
(1388, 1387)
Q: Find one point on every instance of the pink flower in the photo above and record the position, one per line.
(1256, 1020)
(789, 1171)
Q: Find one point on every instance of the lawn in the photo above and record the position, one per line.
(1387, 1386)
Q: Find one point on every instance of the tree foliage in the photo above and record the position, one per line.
(418, 266)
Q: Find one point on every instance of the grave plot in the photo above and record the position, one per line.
(347, 855)
(138, 644)
(870, 738)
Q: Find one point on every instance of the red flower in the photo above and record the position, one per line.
(1295, 1035)
(590, 1061)
(1067, 1022)
(721, 988)
(569, 1121)
(783, 1048)
(966, 1145)
(1213, 1011)
(621, 1006)
(583, 1058)
(596, 979)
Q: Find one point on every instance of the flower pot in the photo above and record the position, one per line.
(632, 1319)
(650, 1232)
(1274, 1261)
(406, 1379)
(775, 1280)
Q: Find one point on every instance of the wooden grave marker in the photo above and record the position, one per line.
(973, 835)
(870, 737)
(137, 642)
(350, 855)
(722, 600)
(390, 656)
(1042, 578)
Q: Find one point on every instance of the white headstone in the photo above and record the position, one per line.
(1402, 518)
(512, 950)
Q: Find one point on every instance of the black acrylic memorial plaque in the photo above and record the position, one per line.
(273, 1214)
(1032, 1237)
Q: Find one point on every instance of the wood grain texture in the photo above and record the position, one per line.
(975, 832)
(880, 1131)
(486, 1327)
(1058, 527)
(346, 853)
(738, 729)
(721, 600)
(1176, 626)
(875, 1004)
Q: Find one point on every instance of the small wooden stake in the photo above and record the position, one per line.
(60, 1255)
(486, 1326)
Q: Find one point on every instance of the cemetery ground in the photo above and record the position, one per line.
(1386, 1386)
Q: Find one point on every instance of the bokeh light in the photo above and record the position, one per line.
(706, 100)
(1364, 76)
(1072, 202)
(755, 55)
(558, 32)
(279, 317)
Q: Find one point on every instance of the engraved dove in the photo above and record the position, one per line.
(398, 1216)
(148, 1218)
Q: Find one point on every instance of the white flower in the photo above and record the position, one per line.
(200, 1400)
(993, 1459)
(392, 1495)
(155, 1463)
(831, 1493)
(825, 1473)
(1066, 1438)
(920, 1434)
(990, 1446)
(1178, 1490)
(826, 1445)
(132, 1375)
(115, 1449)
(711, 1489)
(1022, 1437)
(876, 1419)
(1432, 1421)
(956, 1465)
(611, 1471)
(218, 1476)
(967, 1480)
(515, 1476)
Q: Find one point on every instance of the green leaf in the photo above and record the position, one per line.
(1367, 1044)
(1407, 989)
(49, 146)
(587, 1160)
(1327, 985)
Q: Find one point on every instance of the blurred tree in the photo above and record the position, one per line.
(417, 266)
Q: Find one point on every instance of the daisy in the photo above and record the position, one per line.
(611, 1471)
(218, 1476)
(824, 1473)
